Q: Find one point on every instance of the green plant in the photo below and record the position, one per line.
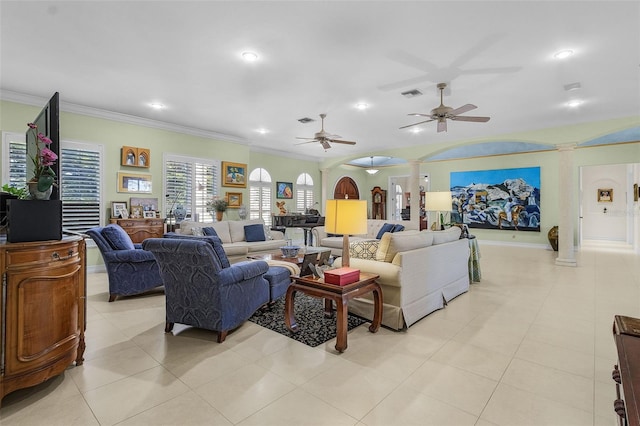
(217, 204)
(21, 193)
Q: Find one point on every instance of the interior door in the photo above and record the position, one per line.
(346, 188)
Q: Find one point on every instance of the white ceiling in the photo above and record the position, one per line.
(324, 57)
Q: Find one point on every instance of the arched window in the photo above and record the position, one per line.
(304, 193)
(260, 195)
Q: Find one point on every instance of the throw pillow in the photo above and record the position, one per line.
(397, 228)
(117, 238)
(446, 236)
(387, 227)
(197, 231)
(267, 233)
(363, 249)
(391, 244)
(254, 233)
(209, 231)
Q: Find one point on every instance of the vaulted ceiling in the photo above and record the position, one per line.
(326, 57)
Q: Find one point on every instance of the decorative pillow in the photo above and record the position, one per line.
(391, 244)
(446, 236)
(397, 228)
(209, 231)
(254, 232)
(197, 231)
(387, 227)
(364, 249)
(267, 233)
(117, 238)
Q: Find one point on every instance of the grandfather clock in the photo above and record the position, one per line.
(379, 203)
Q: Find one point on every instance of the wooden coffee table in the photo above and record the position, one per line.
(339, 294)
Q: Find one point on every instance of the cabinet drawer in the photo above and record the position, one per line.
(43, 255)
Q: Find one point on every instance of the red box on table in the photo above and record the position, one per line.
(342, 276)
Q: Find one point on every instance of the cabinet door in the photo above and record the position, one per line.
(43, 315)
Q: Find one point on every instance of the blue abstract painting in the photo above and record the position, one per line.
(506, 199)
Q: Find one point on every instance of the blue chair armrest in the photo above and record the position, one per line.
(138, 246)
(131, 256)
(243, 271)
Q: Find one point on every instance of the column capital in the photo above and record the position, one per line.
(566, 146)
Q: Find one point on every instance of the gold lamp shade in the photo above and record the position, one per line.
(346, 217)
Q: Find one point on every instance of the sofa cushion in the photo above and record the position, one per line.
(393, 243)
(387, 227)
(365, 249)
(117, 238)
(446, 236)
(209, 231)
(397, 228)
(254, 232)
(236, 228)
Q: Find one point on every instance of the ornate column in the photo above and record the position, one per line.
(324, 176)
(566, 249)
(414, 190)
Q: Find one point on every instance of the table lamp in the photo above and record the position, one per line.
(346, 217)
(438, 202)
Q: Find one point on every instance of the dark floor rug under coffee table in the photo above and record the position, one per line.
(314, 328)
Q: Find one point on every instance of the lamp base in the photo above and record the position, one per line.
(345, 250)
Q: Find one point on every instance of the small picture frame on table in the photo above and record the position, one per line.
(117, 209)
(137, 212)
(149, 214)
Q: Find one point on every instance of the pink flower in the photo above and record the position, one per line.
(45, 140)
(32, 126)
(48, 157)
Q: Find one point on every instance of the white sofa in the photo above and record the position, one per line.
(322, 239)
(234, 242)
(420, 271)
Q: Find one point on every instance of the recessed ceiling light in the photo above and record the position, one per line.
(250, 56)
(416, 130)
(362, 106)
(262, 131)
(574, 103)
(156, 105)
(563, 54)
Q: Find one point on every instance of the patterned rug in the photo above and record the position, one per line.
(313, 328)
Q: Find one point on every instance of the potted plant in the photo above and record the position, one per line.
(40, 185)
(219, 206)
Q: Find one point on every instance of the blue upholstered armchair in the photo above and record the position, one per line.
(131, 269)
(202, 290)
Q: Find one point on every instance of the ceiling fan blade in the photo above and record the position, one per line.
(462, 109)
(311, 141)
(340, 141)
(468, 118)
(325, 144)
(415, 124)
(417, 114)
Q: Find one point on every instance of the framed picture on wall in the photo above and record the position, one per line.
(234, 200)
(284, 190)
(134, 182)
(234, 174)
(605, 195)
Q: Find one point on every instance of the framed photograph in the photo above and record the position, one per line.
(284, 190)
(117, 207)
(605, 195)
(234, 199)
(135, 157)
(137, 212)
(150, 214)
(134, 182)
(148, 204)
(234, 174)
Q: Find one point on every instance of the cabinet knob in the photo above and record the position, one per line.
(56, 256)
(615, 374)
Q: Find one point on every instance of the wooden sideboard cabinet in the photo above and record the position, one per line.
(42, 314)
(626, 374)
(141, 229)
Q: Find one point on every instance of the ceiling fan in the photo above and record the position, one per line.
(324, 138)
(443, 112)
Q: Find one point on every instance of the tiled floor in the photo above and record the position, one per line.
(529, 345)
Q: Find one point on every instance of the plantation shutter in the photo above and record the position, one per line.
(304, 193)
(17, 163)
(190, 184)
(260, 195)
(80, 183)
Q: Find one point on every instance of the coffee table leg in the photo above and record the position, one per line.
(377, 309)
(289, 318)
(341, 325)
(328, 307)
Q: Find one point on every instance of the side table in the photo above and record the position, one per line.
(339, 294)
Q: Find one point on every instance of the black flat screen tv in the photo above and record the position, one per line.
(48, 122)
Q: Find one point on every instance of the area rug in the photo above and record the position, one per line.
(313, 328)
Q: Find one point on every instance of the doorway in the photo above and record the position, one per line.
(346, 188)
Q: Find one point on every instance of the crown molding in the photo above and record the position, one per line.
(277, 153)
(38, 101)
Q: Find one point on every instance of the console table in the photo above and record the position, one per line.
(141, 229)
(626, 374)
(42, 314)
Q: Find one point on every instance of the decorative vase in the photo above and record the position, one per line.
(242, 212)
(553, 238)
(39, 195)
(219, 216)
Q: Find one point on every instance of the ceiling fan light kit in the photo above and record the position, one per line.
(443, 112)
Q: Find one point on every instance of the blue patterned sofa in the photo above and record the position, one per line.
(202, 289)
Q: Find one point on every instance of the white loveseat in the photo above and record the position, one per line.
(232, 234)
(420, 271)
(322, 239)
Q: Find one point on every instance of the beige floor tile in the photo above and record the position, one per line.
(467, 391)
(579, 341)
(504, 337)
(566, 388)
(72, 411)
(511, 406)
(187, 409)
(557, 357)
(243, 392)
(299, 408)
(343, 386)
(125, 398)
(407, 407)
(487, 363)
(260, 344)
